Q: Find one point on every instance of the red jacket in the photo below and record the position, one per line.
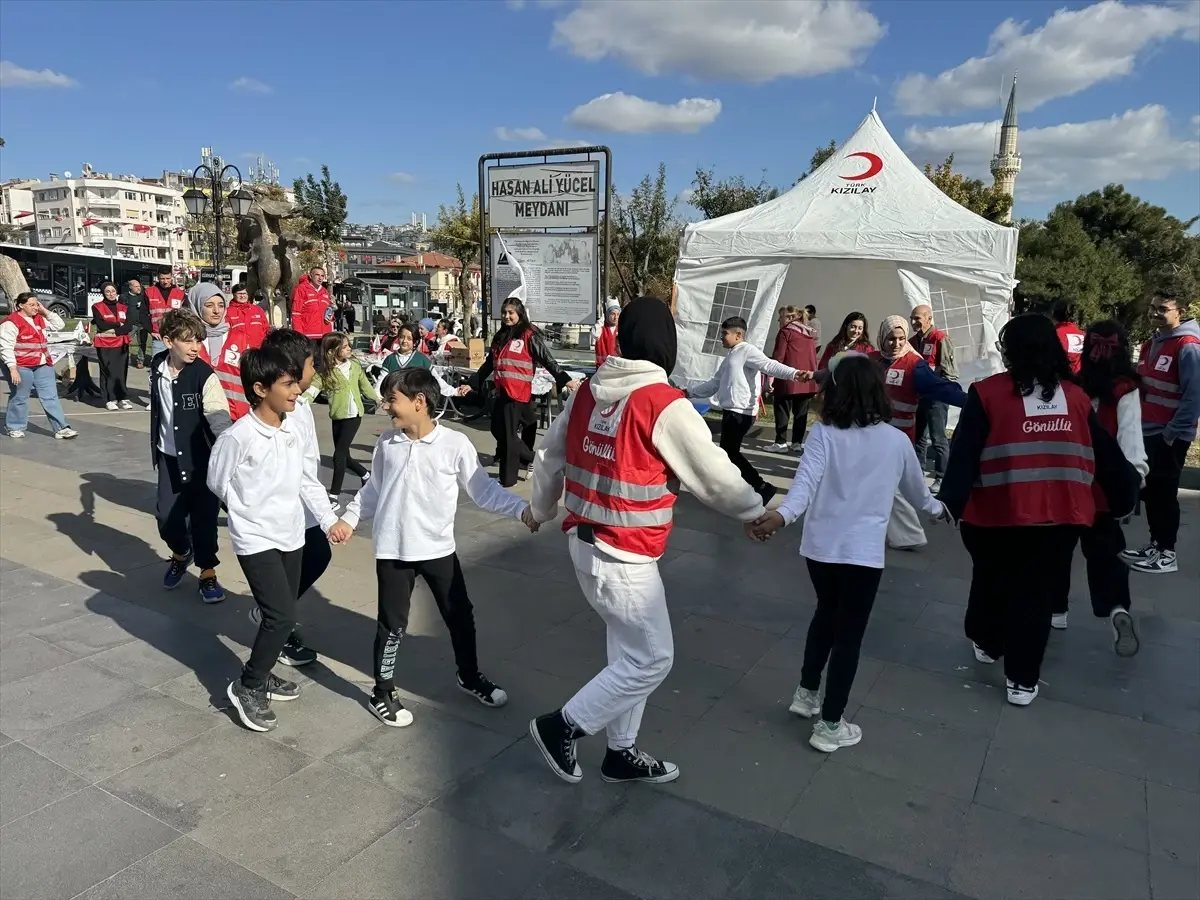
(795, 346)
(312, 310)
(252, 318)
(606, 344)
(1071, 337)
(834, 347)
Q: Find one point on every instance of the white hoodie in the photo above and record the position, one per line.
(681, 437)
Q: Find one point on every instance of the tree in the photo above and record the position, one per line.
(982, 199)
(323, 205)
(457, 234)
(730, 195)
(646, 237)
(820, 155)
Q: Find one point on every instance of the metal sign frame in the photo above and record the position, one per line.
(604, 200)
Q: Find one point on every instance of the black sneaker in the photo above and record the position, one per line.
(634, 765)
(556, 739)
(388, 709)
(253, 707)
(176, 569)
(279, 689)
(482, 690)
(295, 653)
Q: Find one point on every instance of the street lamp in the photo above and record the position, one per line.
(198, 202)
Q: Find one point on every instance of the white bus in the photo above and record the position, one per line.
(68, 279)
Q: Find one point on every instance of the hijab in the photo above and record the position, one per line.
(886, 327)
(199, 293)
(646, 330)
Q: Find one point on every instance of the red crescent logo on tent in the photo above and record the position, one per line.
(874, 168)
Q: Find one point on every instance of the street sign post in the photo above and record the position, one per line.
(110, 247)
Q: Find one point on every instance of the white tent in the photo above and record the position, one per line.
(866, 232)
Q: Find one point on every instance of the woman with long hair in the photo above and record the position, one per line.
(795, 346)
(344, 384)
(1020, 479)
(518, 348)
(851, 336)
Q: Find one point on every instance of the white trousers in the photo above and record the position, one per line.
(904, 526)
(631, 600)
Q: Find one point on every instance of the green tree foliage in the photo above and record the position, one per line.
(980, 198)
(322, 206)
(645, 241)
(729, 195)
(457, 234)
(818, 158)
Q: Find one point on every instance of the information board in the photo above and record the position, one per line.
(558, 271)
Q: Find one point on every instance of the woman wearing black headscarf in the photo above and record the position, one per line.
(620, 450)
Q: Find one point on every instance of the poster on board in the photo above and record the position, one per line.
(557, 270)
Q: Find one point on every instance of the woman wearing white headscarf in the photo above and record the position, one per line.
(224, 344)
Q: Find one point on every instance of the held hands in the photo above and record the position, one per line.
(573, 385)
(528, 520)
(945, 517)
(764, 526)
(804, 376)
(463, 390)
(340, 532)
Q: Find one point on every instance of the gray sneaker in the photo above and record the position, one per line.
(66, 434)
(827, 738)
(805, 703)
(1125, 637)
(252, 707)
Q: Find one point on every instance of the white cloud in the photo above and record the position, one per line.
(519, 134)
(633, 115)
(246, 85)
(564, 143)
(731, 40)
(12, 75)
(1072, 51)
(1196, 124)
(1061, 161)
(401, 178)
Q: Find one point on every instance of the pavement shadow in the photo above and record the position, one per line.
(131, 493)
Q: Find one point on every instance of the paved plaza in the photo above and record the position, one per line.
(122, 774)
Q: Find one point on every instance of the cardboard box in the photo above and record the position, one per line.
(471, 356)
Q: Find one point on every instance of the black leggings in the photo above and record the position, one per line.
(114, 361)
(397, 579)
(734, 428)
(795, 405)
(514, 426)
(1107, 573)
(845, 595)
(343, 436)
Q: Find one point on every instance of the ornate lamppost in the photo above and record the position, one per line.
(198, 202)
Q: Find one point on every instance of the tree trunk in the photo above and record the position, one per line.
(12, 279)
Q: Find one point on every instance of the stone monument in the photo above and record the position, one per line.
(272, 251)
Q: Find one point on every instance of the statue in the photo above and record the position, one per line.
(12, 279)
(272, 268)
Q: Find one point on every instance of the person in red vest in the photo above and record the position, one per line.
(250, 316)
(25, 354)
(1026, 452)
(224, 344)
(312, 309)
(1169, 366)
(517, 350)
(937, 350)
(620, 450)
(1070, 335)
(162, 297)
(606, 332)
(111, 329)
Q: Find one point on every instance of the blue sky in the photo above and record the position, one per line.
(400, 99)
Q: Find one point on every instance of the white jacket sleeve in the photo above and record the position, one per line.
(216, 407)
(682, 439)
(364, 502)
(1129, 431)
(709, 388)
(550, 463)
(807, 478)
(756, 359)
(222, 465)
(8, 344)
(484, 491)
(912, 483)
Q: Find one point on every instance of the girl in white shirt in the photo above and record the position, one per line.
(853, 464)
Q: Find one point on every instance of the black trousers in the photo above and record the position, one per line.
(274, 579)
(1017, 576)
(314, 560)
(795, 405)
(514, 426)
(344, 431)
(931, 432)
(734, 428)
(396, 579)
(1161, 494)
(187, 513)
(845, 595)
(114, 363)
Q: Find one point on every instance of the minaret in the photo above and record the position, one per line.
(1006, 164)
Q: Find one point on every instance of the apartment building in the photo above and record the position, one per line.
(16, 209)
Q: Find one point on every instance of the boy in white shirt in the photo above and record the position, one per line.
(416, 471)
(735, 388)
(258, 471)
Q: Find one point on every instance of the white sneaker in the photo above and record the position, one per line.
(1059, 621)
(111, 406)
(1157, 563)
(16, 434)
(827, 739)
(334, 498)
(1020, 696)
(1124, 630)
(65, 434)
(1142, 553)
(805, 703)
(981, 656)
(125, 404)
(777, 448)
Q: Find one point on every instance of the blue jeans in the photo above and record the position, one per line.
(156, 346)
(41, 379)
(931, 431)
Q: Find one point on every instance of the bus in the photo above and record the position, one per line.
(68, 279)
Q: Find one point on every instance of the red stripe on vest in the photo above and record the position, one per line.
(31, 350)
(902, 391)
(107, 339)
(229, 371)
(514, 367)
(1161, 390)
(160, 305)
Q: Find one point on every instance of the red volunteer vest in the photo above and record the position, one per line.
(1160, 379)
(606, 344)
(160, 305)
(1071, 337)
(31, 350)
(615, 480)
(1037, 464)
(114, 316)
(1106, 414)
(229, 369)
(252, 318)
(930, 346)
(513, 367)
(902, 391)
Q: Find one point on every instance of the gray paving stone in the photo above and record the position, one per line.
(423, 759)
(1174, 818)
(331, 715)
(575, 650)
(89, 837)
(946, 618)
(745, 606)
(40, 701)
(305, 826)
(791, 868)
(206, 777)
(152, 661)
(4, 739)
(1068, 795)
(517, 795)
(29, 781)
(693, 687)
(937, 699)
(7, 565)
(929, 651)
(558, 881)
(410, 862)
(752, 776)
(185, 870)
(696, 851)
(1172, 880)
(720, 642)
(891, 823)
(1004, 856)
(112, 739)
(38, 608)
(89, 634)
(24, 655)
(18, 582)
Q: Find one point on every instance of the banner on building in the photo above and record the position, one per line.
(544, 195)
(557, 272)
